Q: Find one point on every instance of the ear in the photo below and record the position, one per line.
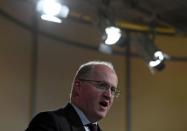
(76, 87)
(77, 83)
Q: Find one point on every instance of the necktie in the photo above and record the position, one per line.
(92, 127)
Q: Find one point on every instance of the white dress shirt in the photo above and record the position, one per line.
(83, 117)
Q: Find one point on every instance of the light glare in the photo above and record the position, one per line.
(51, 7)
(154, 63)
(51, 18)
(113, 35)
(64, 11)
(159, 55)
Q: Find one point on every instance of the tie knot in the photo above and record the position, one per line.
(92, 127)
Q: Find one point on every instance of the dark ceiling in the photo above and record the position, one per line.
(162, 16)
(153, 13)
(169, 14)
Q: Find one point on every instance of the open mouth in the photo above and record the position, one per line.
(103, 104)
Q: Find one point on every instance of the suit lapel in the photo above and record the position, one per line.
(73, 118)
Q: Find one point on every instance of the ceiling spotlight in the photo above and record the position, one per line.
(158, 61)
(52, 10)
(112, 35)
(153, 56)
(51, 18)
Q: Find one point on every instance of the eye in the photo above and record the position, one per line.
(113, 89)
(103, 85)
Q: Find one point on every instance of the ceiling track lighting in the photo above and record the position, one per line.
(52, 10)
(110, 33)
(153, 56)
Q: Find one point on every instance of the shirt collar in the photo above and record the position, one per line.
(82, 116)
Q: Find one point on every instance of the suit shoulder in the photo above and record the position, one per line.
(43, 121)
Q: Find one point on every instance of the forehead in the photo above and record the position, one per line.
(101, 68)
(103, 72)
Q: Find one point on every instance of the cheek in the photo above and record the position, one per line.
(111, 102)
(93, 99)
(89, 95)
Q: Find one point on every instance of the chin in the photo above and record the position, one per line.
(101, 114)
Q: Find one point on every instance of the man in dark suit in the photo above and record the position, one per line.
(93, 90)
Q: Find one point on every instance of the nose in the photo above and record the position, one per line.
(108, 93)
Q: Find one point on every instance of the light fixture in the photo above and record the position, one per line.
(109, 32)
(157, 61)
(52, 10)
(112, 35)
(153, 56)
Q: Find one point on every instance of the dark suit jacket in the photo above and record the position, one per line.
(64, 119)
